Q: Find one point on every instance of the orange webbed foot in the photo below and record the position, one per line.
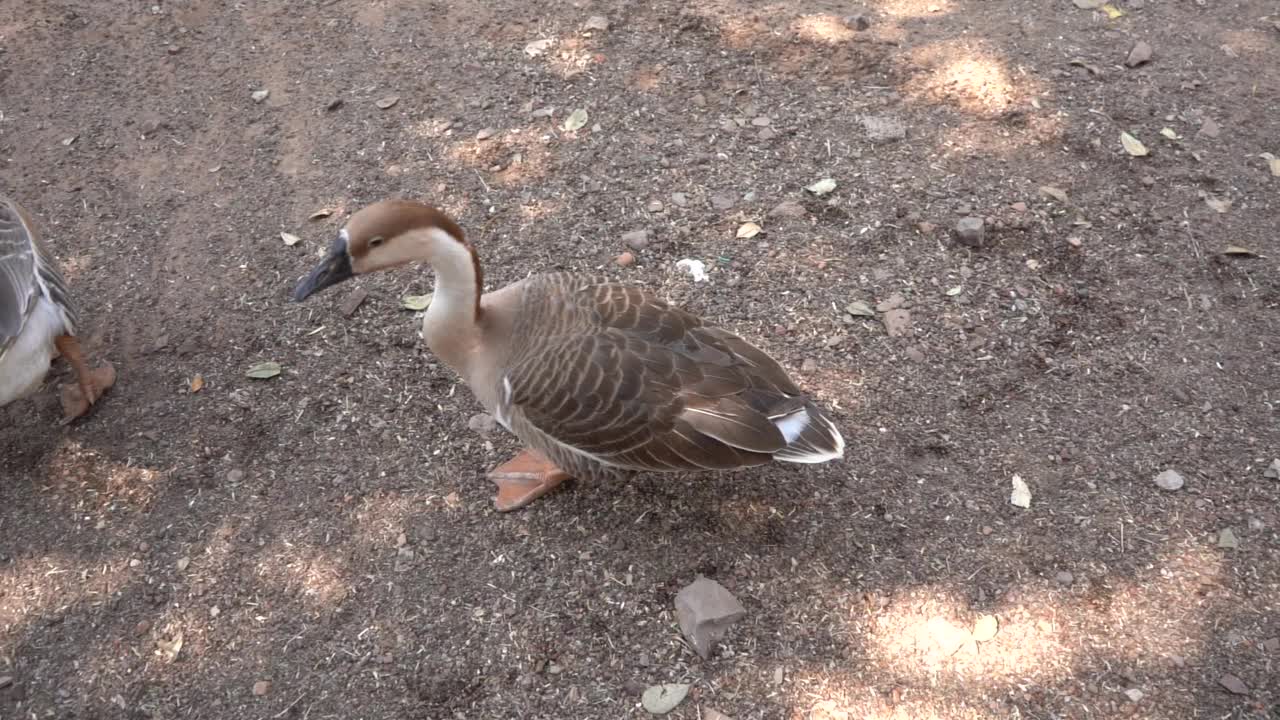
(525, 478)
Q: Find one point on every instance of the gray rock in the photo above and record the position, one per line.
(858, 22)
(482, 423)
(1273, 470)
(1170, 480)
(897, 322)
(260, 95)
(596, 22)
(884, 128)
(788, 209)
(636, 239)
(679, 199)
(705, 611)
(1140, 54)
(724, 200)
(1065, 577)
(971, 231)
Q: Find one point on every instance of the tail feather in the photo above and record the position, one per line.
(811, 436)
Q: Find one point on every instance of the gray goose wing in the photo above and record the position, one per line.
(27, 269)
(615, 374)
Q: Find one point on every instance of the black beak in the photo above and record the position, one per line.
(335, 268)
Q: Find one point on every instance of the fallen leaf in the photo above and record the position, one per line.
(748, 231)
(538, 47)
(1056, 193)
(1169, 133)
(169, 649)
(1273, 162)
(1089, 4)
(662, 699)
(985, 628)
(415, 302)
(387, 102)
(1132, 145)
(1021, 495)
(860, 309)
(1112, 11)
(290, 239)
(822, 187)
(321, 213)
(1238, 251)
(952, 292)
(197, 383)
(1218, 204)
(264, 370)
(576, 120)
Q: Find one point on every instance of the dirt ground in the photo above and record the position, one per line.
(323, 545)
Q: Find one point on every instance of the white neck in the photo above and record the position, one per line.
(449, 326)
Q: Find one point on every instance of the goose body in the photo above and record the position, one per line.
(38, 319)
(596, 378)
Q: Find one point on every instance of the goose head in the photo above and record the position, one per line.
(387, 234)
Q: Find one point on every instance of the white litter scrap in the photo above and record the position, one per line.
(1021, 495)
(696, 268)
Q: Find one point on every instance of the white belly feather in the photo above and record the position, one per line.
(25, 364)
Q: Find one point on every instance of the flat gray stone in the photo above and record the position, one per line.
(705, 611)
(636, 239)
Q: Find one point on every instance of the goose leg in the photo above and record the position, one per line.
(90, 383)
(524, 478)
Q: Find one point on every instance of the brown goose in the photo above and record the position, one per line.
(38, 320)
(596, 378)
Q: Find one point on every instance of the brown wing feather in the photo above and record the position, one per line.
(609, 373)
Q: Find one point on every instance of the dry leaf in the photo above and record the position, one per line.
(1273, 162)
(952, 292)
(748, 231)
(1056, 193)
(1218, 204)
(985, 628)
(858, 308)
(1089, 4)
(1112, 11)
(538, 47)
(1169, 133)
(264, 370)
(169, 649)
(415, 302)
(290, 239)
(1021, 495)
(576, 120)
(321, 213)
(822, 187)
(1132, 145)
(197, 383)
(1238, 251)
(387, 102)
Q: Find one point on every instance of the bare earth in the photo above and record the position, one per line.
(323, 545)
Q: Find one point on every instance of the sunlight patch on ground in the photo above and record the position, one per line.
(827, 29)
(969, 76)
(914, 8)
(307, 571)
(87, 481)
(508, 158)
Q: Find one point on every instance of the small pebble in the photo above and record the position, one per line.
(970, 231)
(788, 209)
(809, 365)
(679, 199)
(654, 206)
(897, 323)
(1140, 54)
(723, 201)
(626, 259)
(1170, 480)
(636, 239)
(262, 687)
(486, 133)
(235, 476)
(915, 354)
(1064, 577)
(858, 22)
(260, 95)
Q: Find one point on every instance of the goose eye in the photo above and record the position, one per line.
(375, 242)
